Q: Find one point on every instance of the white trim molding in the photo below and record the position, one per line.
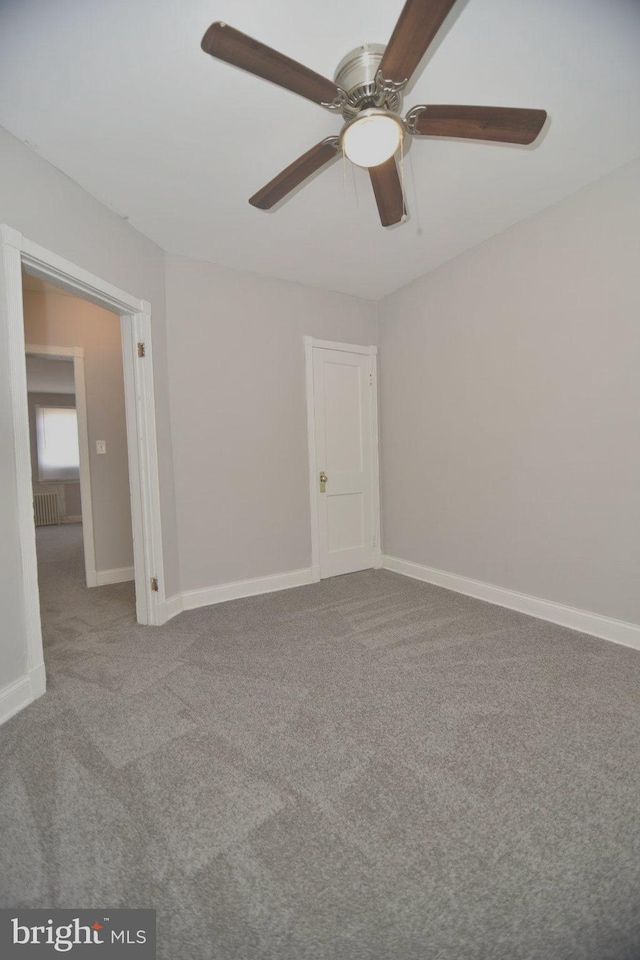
(139, 407)
(19, 694)
(172, 607)
(63, 273)
(15, 697)
(191, 599)
(16, 253)
(11, 318)
(372, 352)
(309, 343)
(144, 475)
(607, 628)
(115, 575)
(221, 593)
(345, 347)
(375, 446)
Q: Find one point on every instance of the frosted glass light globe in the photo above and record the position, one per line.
(371, 138)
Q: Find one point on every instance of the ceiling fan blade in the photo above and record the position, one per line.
(295, 173)
(504, 124)
(418, 24)
(226, 43)
(388, 192)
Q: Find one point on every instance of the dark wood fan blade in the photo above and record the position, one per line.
(226, 43)
(295, 173)
(505, 124)
(388, 192)
(418, 24)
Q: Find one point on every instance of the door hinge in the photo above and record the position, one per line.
(154, 584)
(370, 379)
(374, 540)
(141, 352)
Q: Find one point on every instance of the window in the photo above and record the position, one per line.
(57, 443)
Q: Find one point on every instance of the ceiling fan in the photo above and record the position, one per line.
(367, 91)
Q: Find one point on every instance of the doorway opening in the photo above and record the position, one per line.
(75, 393)
(342, 427)
(18, 254)
(58, 435)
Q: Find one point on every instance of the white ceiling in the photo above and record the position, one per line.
(119, 96)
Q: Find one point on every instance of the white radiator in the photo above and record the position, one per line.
(46, 509)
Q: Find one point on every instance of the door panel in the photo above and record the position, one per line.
(345, 516)
(343, 437)
(343, 416)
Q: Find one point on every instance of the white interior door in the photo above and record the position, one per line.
(345, 450)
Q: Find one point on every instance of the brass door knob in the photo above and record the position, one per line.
(323, 481)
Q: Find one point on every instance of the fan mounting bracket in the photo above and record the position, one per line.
(411, 118)
(339, 102)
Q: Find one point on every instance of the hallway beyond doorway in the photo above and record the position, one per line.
(70, 611)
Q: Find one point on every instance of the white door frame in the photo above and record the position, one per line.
(17, 252)
(76, 354)
(372, 353)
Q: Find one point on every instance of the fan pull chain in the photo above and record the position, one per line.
(344, 176)
(415, 206)
(402, 186)
(344, 172)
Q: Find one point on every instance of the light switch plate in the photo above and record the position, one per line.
(101, 446)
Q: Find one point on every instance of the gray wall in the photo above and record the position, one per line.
(238, 408)
(57, 320)
(511, 407)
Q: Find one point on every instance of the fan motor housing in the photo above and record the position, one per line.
(357, 74)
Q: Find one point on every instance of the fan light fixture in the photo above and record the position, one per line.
(371, 137)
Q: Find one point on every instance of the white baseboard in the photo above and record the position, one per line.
(15, 697)
(115, 575)
(19, 694)
(172, 607)
(72, 518)
(244, 588)
(618, 631)
(38, 680)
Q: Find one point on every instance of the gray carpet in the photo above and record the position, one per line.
(368, 768)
